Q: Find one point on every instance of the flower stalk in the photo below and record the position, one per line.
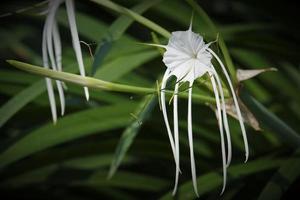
(99, 84)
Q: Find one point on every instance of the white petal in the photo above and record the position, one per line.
(236, 105)
(49, 37)
(190, 137)
(164, 111)
(219, 116)
(57, 46)
(176, 135)
(75, 39)
(225, 120)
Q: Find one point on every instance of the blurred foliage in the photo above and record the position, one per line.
(115, 146)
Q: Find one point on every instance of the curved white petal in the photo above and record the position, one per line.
(164, 111)
(48, 80)
(50, 21)
(75, 39)
(235, 103)
(176, 135)
(219, 117)
(57, 46)
(190, 137)
(225, 120)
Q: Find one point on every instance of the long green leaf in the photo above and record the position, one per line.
(126, 180)
(268, 119)
(115, 31)
(20, 100)
(213, 180)
(146, 22)
(142, 112)
(69, 128)
(120, 66)
(282, 179)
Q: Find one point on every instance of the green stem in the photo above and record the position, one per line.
(139, 18)
(97, 83)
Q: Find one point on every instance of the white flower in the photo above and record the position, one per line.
(51, 49)
(187, 57)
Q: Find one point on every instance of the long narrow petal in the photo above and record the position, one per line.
(190, 136)
(57, 46)
(164, 111)
(57, 49)
(235, 103)
(219, 116)
(225, 120)
(176, 135)
(75, 39)
(49, 28)
(48, 80)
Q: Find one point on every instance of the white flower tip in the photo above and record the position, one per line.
(154, 45)
(246, 157)
(191, 22)
(54, 121)
(196, 192)
(223, 190)
(174, 192)
(87, 94)
(62, 111)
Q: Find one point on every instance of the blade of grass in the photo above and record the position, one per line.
(282, 179)
(20, 100)
(211, 181)
(122, 65)
(137, 17)
(126, 180)
(285, 133)
(141, 114)
(68, 128)
(115, 31)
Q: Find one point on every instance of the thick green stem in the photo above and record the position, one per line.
(97, 83)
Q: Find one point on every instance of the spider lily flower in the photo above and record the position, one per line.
(188, 57)
(51, 51)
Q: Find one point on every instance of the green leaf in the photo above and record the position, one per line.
(282, 179)
(213, 180)
(268, 119)
(35, 176)
(126, 180)
(68, 128)
(92, 162)
(137, 17)
(122, 65)
(141, 114)
(115, 31)
(20, 100)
